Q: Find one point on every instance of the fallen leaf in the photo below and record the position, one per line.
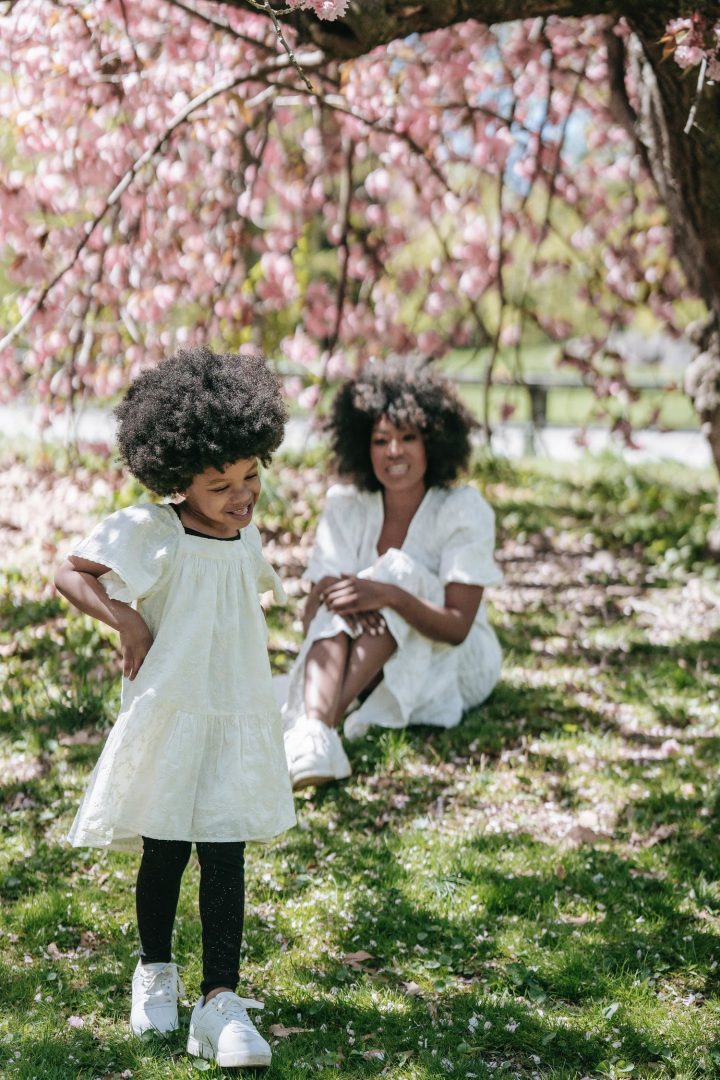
(355, 960)
(580, 834)
(411, 988)
(282, 1032)
(370, 1055)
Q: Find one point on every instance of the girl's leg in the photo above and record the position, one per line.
(324, 674)
(156, 896)
(222, 903)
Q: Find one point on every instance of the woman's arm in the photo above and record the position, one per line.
(450, 623)
(77, 580)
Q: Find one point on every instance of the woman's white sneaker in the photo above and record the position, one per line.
(155, 989)
(222, 1031)
(314, 754)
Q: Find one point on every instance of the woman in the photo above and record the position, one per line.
(395, 615)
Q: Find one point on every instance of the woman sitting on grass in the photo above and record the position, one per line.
(395, 615)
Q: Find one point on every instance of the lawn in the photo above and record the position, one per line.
(535, 894)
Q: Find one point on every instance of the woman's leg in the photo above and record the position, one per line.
(368, 655)
(338, 669)
(325, 666)
(156, 896)
(222, 905)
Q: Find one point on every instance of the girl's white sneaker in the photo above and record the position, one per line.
(222, 1031)
(155, 989)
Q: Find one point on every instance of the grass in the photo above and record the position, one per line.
(535, 894)
(574, 407)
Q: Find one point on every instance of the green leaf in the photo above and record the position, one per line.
(200, 1065)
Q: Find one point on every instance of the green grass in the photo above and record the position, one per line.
(567, 407)
(533, 894)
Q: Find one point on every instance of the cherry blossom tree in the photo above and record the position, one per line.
(339, 179)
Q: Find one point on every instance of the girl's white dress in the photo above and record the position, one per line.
(451, 538)
(197, 751)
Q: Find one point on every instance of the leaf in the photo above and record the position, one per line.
(411, 987)
(371, 1055)
(282, 1032)
(355, 960)
(200, 1065)
(610, 1011)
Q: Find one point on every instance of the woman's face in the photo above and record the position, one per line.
(398, 457)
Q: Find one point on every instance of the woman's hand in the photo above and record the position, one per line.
(353, 595)
(135, 641)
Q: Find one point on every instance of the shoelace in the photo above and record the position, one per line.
(235, 1008)
(314, 740)
(163, 985)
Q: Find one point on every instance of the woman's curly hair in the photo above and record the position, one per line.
(199, 410)
(409, 395)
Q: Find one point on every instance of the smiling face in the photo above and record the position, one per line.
(398, 456)
(219, 502)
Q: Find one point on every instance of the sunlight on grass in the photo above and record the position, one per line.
(534, 894)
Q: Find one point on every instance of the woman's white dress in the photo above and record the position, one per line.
(451, 538)
(197, 751)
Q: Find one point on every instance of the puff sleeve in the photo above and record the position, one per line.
(337, 540)
(468, 540)
(266, 577)
(137, 543)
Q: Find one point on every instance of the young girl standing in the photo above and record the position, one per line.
(196, 755)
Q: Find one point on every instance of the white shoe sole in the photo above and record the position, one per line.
(203, 1049)
(139, 1031)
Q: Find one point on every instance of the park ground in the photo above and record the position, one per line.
(535, 894)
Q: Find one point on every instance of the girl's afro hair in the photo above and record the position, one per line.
(199, 410)
(409, 395)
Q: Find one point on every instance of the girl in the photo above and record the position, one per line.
(196, 754)
(401, 558)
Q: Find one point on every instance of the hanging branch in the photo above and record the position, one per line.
(219, 88)
(267, 8)
(222, 24)
(344, 247)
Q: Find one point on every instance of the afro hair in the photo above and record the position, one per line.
(409, 395)
(198, 410)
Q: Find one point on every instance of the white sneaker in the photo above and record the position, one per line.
(314, 754)
(222, 1031)
(155, 989)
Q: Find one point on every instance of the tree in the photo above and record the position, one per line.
(190, 170)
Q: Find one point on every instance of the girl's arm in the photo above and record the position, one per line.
(450, 624)
(77, 580)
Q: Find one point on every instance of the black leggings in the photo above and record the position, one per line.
(222, 901)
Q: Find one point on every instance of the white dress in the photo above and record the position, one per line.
(197, 751)
(451, 538)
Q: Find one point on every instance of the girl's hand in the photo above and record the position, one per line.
(135, 642)
(351, 595)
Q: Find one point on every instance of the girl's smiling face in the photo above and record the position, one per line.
(397, 455)
(221, 501)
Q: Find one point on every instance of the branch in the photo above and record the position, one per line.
(346, 203)
(266, 7)
(219, 88)
(222, 24)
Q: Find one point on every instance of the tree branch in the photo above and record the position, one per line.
(221, 87)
